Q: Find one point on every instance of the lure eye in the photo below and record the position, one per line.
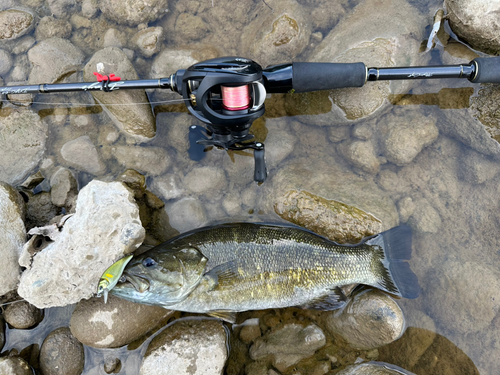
(148, 262)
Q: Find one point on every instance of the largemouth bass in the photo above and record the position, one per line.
(225, 269)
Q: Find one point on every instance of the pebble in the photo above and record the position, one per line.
(425, 218)
(187, 213)
(148, 160)
(23, 315)
(15, 366)
(49, 27)
(63, 188)
(14, 23)
(149, 41)
(81, 154)
(5, 62)
(205, 179)
(61, 354)
(249, 333)
(361, 154)
(112, 365)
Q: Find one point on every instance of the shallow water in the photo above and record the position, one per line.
(466, 232)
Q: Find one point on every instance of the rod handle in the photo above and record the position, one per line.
(311, 76)
(488, 70)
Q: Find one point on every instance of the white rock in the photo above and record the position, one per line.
(190, 347)
(12, 237)
(105, 226)
(81, 154)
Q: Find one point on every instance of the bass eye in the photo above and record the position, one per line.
(148, 262)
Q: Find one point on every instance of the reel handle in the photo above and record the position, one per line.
(488, 70)
(260, 171)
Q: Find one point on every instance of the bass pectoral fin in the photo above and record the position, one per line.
(227, 316)
(331, 301)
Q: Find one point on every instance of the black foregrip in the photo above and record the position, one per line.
(488, 70)
(326, 76)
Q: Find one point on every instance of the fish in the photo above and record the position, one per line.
(111, 276)
(229, 268)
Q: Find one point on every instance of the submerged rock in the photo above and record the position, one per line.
(149, 160)
(186, 214)
(476, 22)
(104, 227)
(335, 220)
(15, 23)
(15, 366)
(12, 237)
(61, 354)
(53, 60)
(50, 27)
(371, 319)
(288, 345)
(129, 109)
(116, 323)
(22, 315)
(187, 347)
(81, 154)
(361, 154)
(22, 144)
(133, 12)
(149, 41)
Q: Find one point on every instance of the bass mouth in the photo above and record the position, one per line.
(140, 284)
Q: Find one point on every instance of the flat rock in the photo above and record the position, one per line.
(22, 144)
(129, 109)
(105, 227)
(189, 347)
(12, 236)
(371, 319)
(114, 324)
(54, 59)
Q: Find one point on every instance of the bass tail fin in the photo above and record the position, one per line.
(396, 276)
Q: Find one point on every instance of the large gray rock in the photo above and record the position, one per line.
(288, 345)
(391, 39)
(369, 320)
(22, 144)
(191, 347)
(12, 237)
(476, 22)
(105, 226)
(61, 354)
(133, 12)
(129, 109)
(15, 23)
(114, 324)
(54, 59)
(81, 154)
(277, 36)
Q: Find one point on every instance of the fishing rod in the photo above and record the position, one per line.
(227, 94)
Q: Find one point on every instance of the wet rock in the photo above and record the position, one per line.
(101, 325)
(20, 72)
(187, 213)
(114, 38)
(80, 22)
(5, 62)
(133, 13)
(329, 180)
(61, 353)
(22, 144)
(482, 108)
(205, 179)
(14, 23)
(148, 41)
(22, 315)
(149, 160)
(50, 27)
(392, 39)
(53, 59)
(14, 366)
(288, 345)
(402, 138)
(112, 365)
(168, 186)
(23, 45)
(279, 144)
(362, 131)
(425, 218)
(81, 154)
(460, 280)
(249, 333)
(256, 368)
(64, 189)
(406, 206)
(63, 8)
(129, 109)
(361, 154)
(371, 319)
(40, 210)
(418, 350)
(12, 236)
(335, 220)
(374, 368)
(476, 22)
(187, 347)
(89, 8)
(190, 27)
(104, 227)
(2, 332)
(274, 37)
(476, 168)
